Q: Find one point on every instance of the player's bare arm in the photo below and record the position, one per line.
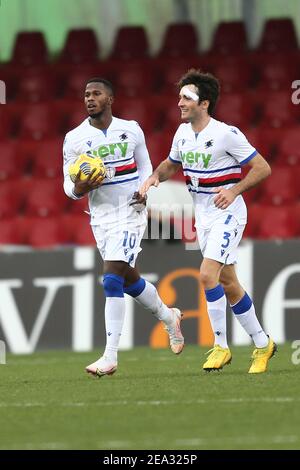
(162, 173)
(93, 181)
(260, 170)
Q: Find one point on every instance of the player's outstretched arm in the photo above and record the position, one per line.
(162, 173)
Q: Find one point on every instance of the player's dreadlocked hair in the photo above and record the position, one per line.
(207, 85)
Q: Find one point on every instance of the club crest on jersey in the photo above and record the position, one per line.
(110, 172)
(209, 143)
(123, 136)
(195, 181)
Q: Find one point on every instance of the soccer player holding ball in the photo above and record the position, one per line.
(118, 212)
(212, 154)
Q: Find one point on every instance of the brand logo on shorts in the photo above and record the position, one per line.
(110, 172)
(222, 252)
(195, 181)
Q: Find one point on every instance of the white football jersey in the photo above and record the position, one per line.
(210, 159)
(123, 150)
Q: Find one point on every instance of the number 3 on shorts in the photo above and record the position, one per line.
(130, 239)
(226, 237)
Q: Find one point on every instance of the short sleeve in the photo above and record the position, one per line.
(238, 147)
(174, 154)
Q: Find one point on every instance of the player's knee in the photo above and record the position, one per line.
(113, 285)
(207, 279)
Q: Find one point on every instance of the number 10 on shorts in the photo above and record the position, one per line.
(129, 239)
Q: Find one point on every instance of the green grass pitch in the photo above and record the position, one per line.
(154, 401)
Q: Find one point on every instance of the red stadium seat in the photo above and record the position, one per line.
(277, 222)
(36, 86)
(251, 196)
(277, 74)
(83, 234)
(81, 46)
(289, 148)
(159, 145)
(46, 198)
(48, 161)
(39, 121)
(134, 80)
(255, 214)
(10, 74)
(71, 113)
(278, 35)
(6, 120)
(45, 232)
(280, 188)
(30, 48)
(167, 106)
(140, 110)
(26, 153)
(78, 228)
(75, 81)
(9, 233)
(236, 109)
(295, 211)
(10, 200)
(265, 140)
(11, 163)
(171, 71)
(180, 40)
(131, 42)
(232, 78)
(67, 86)
(229, 37)
(277, 109)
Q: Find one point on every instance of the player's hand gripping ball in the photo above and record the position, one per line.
(85, 165)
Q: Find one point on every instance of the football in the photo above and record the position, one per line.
(86, 164)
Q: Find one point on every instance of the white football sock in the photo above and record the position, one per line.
(216, 308)
(244, 312)
(114, 319)
(150, 300)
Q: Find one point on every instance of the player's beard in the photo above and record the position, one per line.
(96, 115)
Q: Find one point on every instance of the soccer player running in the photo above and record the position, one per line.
(118, 214)
(212, 154)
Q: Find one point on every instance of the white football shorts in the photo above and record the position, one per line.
(120, 242)
(220, 241)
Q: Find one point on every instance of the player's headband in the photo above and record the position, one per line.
(186, 91)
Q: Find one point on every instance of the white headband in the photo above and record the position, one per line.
(185, 91)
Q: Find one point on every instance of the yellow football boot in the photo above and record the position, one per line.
(261, 357)
(218, 358)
